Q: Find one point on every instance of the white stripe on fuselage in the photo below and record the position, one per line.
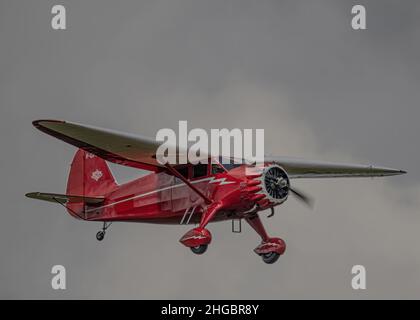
(211, 180)
(221, 180)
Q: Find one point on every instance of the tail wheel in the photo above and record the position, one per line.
(199, 249)
(100, 235)
(270, 257)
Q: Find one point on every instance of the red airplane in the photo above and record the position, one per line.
(180, 194)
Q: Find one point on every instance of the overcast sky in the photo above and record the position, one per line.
(295, 68)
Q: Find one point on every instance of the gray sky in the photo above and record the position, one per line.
(295, 68)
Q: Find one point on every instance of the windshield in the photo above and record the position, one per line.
(228, 163)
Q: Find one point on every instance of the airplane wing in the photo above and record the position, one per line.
(63, 198)
(114, 146)
(299, 168)
(140, 152)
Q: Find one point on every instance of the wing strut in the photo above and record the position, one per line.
(189, 184)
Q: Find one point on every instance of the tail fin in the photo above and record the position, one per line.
(89, 176)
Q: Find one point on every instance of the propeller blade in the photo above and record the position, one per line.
(303, 197)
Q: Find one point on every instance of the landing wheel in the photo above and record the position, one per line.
(100, 235)
(270, 257)
(199, 249)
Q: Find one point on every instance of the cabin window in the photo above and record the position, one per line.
(215, 169)
(183, 172)
(228, 164)
(200, 170)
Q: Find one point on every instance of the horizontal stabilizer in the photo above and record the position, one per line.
(64, 198)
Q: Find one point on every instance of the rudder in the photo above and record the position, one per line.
(89, 176)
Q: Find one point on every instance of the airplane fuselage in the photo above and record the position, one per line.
(165, 199)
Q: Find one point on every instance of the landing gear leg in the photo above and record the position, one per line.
(199, 238)
(101, 234)
(270, 249)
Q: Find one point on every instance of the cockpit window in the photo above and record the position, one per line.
(199, 170)
(216, 168)
(183, 172)
(228, 164)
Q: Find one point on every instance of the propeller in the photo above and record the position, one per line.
(307, 200)
(277, 187)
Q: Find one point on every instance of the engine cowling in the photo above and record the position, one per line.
(275, 184)
(269, 185)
